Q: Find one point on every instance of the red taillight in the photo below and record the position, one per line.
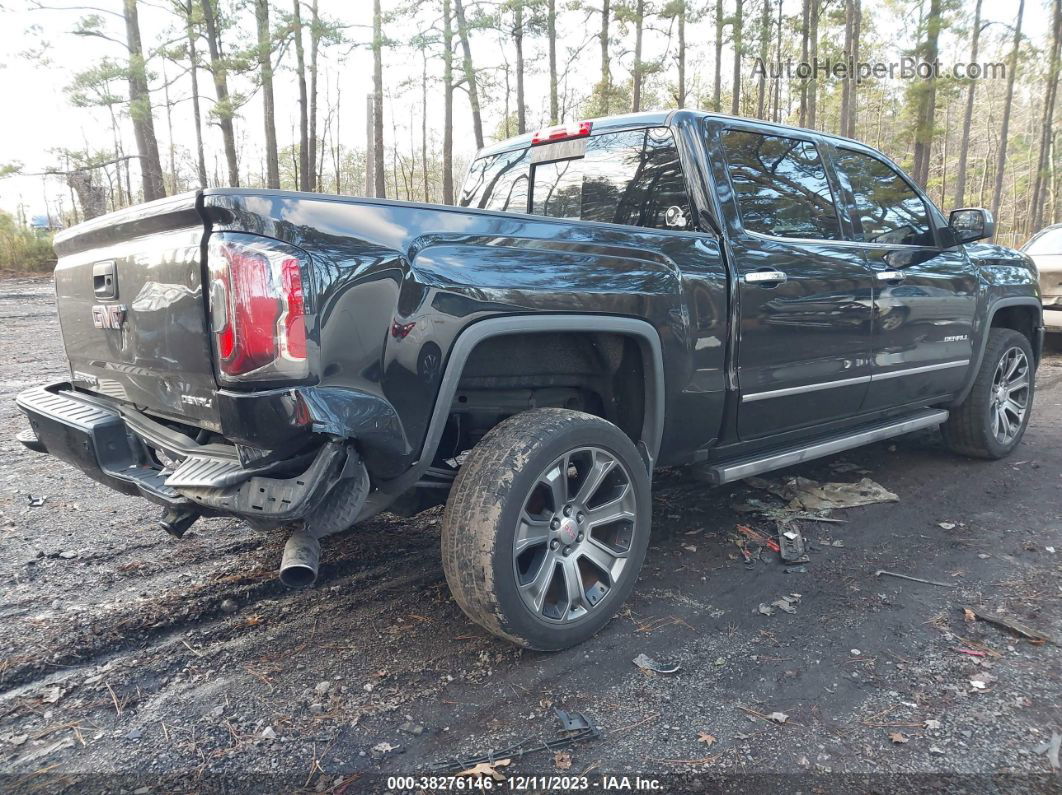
(257, 308)
(562, 132)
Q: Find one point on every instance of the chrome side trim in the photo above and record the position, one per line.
(795, 390)
(727, 473)
(916, 370)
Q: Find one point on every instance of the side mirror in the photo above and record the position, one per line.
(972, 223)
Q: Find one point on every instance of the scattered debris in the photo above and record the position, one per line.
(706, 738)
(384, 748)
(758, 538)
(52, 694)
(486, 770)
(765, 610)
(269, 733)
(647, 663)
(882, 572)
(981, 680)
(791, 543)
(562, 760)
(946, 525)
(811, 496)
(1051, 749)
(932, 724)
(36, 502)
(971, 652)
(1013, 626)
(899, 738)
(968, 614)
(786, 603)
(229, 606)
(796, 569)
(583, 729)
(778, 717)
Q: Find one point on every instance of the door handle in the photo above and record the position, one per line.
(891, 276)
(765, 278)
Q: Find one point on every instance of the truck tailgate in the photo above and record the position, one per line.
(129, 289)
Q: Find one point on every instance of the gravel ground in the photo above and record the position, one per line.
(176, 664)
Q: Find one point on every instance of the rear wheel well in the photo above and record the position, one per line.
(599, 373)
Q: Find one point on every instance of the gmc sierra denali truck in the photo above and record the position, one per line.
(612, 296)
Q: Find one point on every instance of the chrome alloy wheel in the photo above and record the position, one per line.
(575, 533)
(1010, 395)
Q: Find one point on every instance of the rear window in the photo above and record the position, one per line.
(631, 177)
(781, 186)
(1049, 242)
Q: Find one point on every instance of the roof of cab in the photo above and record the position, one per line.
(659, 118)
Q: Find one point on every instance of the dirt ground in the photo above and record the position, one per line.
(125, 651)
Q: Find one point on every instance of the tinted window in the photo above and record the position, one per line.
(781, 186)
(886, 208)
(630, 177)
(1049, 242)
(497, 182)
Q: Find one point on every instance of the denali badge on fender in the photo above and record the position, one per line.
(108, 315)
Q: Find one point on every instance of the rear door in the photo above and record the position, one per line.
(129, 293)
(804, 291)
(925, 296)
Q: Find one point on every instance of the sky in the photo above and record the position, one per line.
(42, 119)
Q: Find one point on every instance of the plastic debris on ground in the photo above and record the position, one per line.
(575, 728)
(1051, 749)
(647, 663)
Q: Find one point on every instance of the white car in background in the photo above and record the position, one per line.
(1045, 247)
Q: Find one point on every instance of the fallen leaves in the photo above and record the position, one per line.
(487, 770)
(706, 738)
(562, 760)
(899, 738)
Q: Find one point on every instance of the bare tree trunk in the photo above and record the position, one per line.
(370, 146)
(853, 90)
(735, 99)
(765, 52)
(304, 119)
(169, 129)
(846, 84)
(606, 74)
(193, 60)
(551, 33)
(805, 17)
(681, 98)
(315, 44)
(1043, 160)
(518, 36)
(1004, 130)
(639, 24)
(717, 83)
(424, 122)
(223, 108)
(470, 72)
(927, 100)
(813, 56)
(265, 67)
(377, 100)
(140, 113)
(448, 104)
(777, 114)
(967, 119)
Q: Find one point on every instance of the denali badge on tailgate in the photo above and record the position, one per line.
(108, 315)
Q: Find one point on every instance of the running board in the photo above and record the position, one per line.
(744, 468)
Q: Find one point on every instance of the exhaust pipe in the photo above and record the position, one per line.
(298, 567)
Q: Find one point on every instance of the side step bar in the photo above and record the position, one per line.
(744, 468)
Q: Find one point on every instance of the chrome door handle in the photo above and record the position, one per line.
(763, 277)
(891, 276)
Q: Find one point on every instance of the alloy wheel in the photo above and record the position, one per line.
(1010, 395)
(575, 533)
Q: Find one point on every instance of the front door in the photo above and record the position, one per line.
(925, 297)
(805, 293)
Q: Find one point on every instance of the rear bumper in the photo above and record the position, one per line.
(116, 448)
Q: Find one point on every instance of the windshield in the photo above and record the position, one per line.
(1049, 242)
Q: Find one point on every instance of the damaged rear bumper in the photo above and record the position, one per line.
(120, 448)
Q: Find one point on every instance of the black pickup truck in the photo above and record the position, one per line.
(610, 297)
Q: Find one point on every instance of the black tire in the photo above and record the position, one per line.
(970, 429)
(488, 501)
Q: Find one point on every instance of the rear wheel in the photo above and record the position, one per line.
(546, 527)
(993, 418)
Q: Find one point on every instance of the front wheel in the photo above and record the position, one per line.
(546, 527)
(993, 418)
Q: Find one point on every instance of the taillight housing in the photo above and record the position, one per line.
(562, 132)
(258, 308)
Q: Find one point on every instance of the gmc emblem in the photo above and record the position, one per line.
(108, 315)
